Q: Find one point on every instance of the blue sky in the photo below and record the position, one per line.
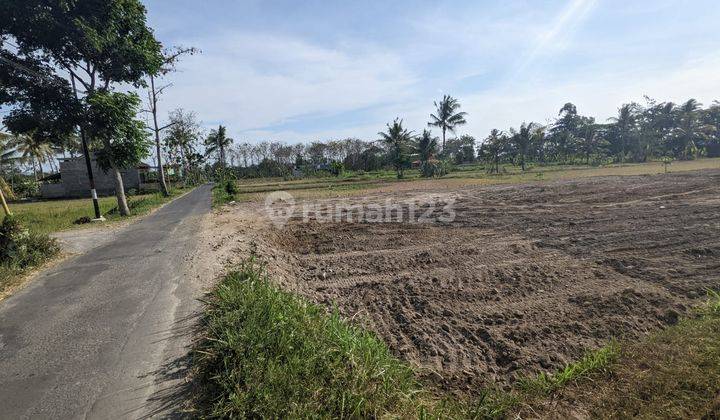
(319, 70)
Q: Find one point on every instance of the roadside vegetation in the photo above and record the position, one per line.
(21, 250)
(56, 215)
(674, 373)
(269, 353)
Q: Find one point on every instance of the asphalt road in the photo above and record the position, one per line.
(103, 334)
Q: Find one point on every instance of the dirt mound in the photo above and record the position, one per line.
(525, 279)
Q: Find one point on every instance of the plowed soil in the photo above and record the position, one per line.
(525, 279)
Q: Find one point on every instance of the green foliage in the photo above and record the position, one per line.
(447, 116)
(337, 168)
(107, 38)
(593, 362)
(434, 168)
(268, 353)
(218, 142)
(398, 142)
(124, 140)
(20, 248)
(231, 187)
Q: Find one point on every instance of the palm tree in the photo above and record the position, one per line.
(624, 128)
(522, 139)
(35, 150)
(426, 146)
(690, 128)
(8, 152)
(492, 148)
(447, 117)
(217, 141)
(397, 140)
(564, 131)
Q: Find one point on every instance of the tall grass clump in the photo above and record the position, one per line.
(269, 353)
(21, 249)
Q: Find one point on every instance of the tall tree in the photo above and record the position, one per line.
(398, 141)
(564, 131)
(182, 138)
(218, 142)
(426, 146)
(623, 131)
(35, 150)
(123, 138)
(96, 43)
(493, 148)
(447, 117)
(690, 129)
(169, 60)
(521, 140)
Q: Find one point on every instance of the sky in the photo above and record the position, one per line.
(300, 71)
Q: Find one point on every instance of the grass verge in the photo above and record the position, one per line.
(269, 353)
(674, 373)
(55, 215)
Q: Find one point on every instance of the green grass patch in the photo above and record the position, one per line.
(673, 373)
(20, 251)
(269, 353)
(56, 215)
(592, 363)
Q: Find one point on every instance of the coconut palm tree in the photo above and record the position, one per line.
(426, 146)
(624, 128)
(8, 152)
(446, 116)
(493, 148)
(690, 128)
(521, 140)
(397, 140)
(217, 142)
(33, 149)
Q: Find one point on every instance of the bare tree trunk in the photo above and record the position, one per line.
(119, 190)
(153, 105)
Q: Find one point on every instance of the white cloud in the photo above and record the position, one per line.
(249, 81)
(595, 94)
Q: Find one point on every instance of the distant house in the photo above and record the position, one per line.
(72, 180)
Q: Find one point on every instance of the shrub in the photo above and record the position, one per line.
(430, 169)
(21, 249)
(230, 187)
(337, 168)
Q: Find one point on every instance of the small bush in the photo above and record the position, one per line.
(230, 187)
(21, 249)
(434, 169)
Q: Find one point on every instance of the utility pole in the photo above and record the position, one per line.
(88, 164)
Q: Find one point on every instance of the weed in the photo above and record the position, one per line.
(592, 362)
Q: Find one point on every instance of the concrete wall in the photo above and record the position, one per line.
(52, 190)
(74, 180)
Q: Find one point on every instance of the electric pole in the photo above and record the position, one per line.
(88, 163)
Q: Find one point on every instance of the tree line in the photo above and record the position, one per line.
(656, 130)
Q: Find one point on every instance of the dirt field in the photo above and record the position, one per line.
(525, 279)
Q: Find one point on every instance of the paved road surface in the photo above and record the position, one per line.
(102, 335)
